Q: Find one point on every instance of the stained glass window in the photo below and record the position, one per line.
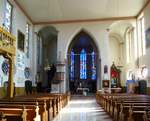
(8, 16)
(83, 64)
(93, 67)
(72, 65)
(27, 38)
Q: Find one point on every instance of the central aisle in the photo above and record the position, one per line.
(82, 108)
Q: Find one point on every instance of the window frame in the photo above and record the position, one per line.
(129, 40)
(11, 12)
(93, 67)
(72, 66)
(84, 60)
(27, 39)
(141, 35)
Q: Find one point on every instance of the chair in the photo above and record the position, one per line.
(39, 87)
(6, 86)
(28, 87)
(142, 86)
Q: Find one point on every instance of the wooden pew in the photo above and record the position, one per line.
(123, 107)
(50, 109)
(130, 106)
(19, 112)
(48, 104)
(133, 111)
(58, 101)
(41, 105)
(113, 106)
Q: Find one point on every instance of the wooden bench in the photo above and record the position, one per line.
(121, 106)
(58, 100)
(52, 101)
(45, 106)
(19, 112)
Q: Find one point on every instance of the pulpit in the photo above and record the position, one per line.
(59, 77)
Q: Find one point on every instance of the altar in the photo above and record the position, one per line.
(116, 90)
(83, 90)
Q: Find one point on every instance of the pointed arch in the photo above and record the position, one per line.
(86, 32)
(86, 62)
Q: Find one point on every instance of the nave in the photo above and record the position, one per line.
(82, 108)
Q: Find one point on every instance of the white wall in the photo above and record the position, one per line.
(19, 23)
(118, 49)
(117, 55)
(146, 58)
(97, 30)
(147, 25)
(109, 50)
(114, 50)
(66, 33)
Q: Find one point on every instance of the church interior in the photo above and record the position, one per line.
(65, 60)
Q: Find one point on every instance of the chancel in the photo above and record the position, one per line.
(72, 60)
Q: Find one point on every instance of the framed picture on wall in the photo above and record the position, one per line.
(21, 41)
(105, 83)
(147, 37)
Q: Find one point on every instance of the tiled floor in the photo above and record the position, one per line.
(82, 109)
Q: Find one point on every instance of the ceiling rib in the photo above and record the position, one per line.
(85, 20)
(142, 9)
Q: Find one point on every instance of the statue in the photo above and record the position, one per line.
(115, 76)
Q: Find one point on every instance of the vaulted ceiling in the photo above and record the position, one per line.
(61, 10)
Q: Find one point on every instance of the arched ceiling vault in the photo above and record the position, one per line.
(118, 29)
(48, 33)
